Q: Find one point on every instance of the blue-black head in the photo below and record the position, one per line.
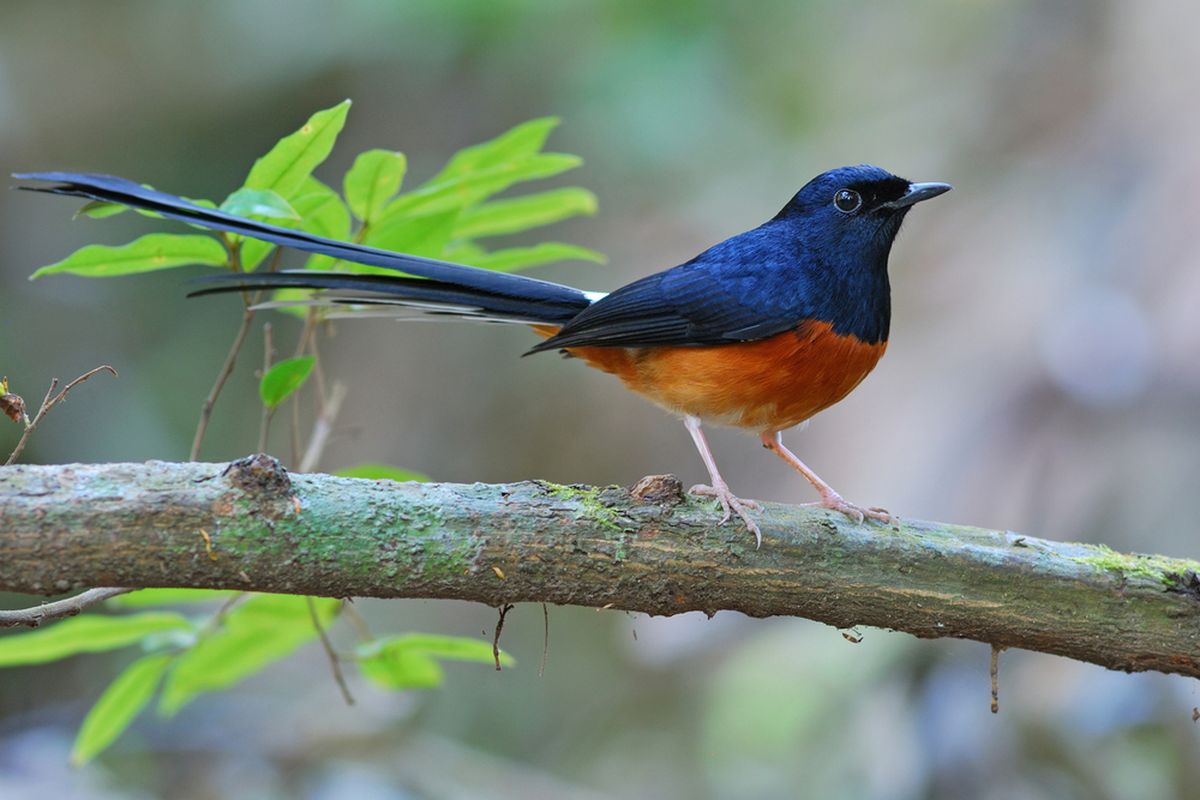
(843, 223)
(863, 203)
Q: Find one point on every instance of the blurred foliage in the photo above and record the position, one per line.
(380, 472)
(218, 649)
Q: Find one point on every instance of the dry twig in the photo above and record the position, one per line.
(331, 654)
(46, 612)
(226, 370)
(504, 609)
(323, 428)
(264, 426)
(995, 673)
(49, 402)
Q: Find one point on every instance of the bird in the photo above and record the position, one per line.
(759, 332)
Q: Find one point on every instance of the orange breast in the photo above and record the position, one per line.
(767, 385)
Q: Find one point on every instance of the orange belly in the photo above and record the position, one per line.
(766, 385)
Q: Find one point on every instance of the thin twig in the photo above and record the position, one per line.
(218, 619)
(294, 431)
(545, 640)
(357, 621)
(226, 370)
(310, 327)
(268, 411)
(504, 609)
(35, 616)
(235, 265)
(322, 428)
(334, 664)
(49, 402)
(995, 672)
(318, 374)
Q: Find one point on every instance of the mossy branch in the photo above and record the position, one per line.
(251, 526)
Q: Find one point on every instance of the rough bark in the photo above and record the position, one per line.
(252, 526)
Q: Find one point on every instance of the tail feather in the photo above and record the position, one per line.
(346, 291)
(494, 294)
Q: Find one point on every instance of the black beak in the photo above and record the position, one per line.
(918, 192)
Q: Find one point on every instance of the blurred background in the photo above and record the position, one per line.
(1042, 374)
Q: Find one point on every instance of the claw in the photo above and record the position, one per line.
(829, 498)
(835, 502)
(732, 505)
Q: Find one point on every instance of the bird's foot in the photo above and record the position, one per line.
(834, 501)
(732, 505)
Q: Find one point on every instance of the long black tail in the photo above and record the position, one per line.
(438, 286)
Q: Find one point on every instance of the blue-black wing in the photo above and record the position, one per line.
(749, 287)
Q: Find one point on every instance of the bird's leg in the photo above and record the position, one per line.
(719, 489)
(773, 441)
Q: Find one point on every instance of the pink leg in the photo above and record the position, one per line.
(719, 489)
(773, 441)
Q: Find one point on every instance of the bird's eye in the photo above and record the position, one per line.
(847, 201)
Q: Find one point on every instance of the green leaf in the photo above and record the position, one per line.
(257, 633)
(92, 633)
(464, 252)
(408, 661)
(284, 168)
(523, 140)
(151, 252)
(522, 213)
(121, 702)
(145, 598)
(402, 670)
(99, 209)
(321, 211)
(449, 648)
(324, 214)
(372, 181)
(284, 378)
(258, 203)
(463, 191)
(426, 236)
(381, 472)
(514, 258)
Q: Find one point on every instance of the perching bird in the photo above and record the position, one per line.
(759, 332)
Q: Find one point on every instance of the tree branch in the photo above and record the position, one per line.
(46, 612)
(143, 525)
